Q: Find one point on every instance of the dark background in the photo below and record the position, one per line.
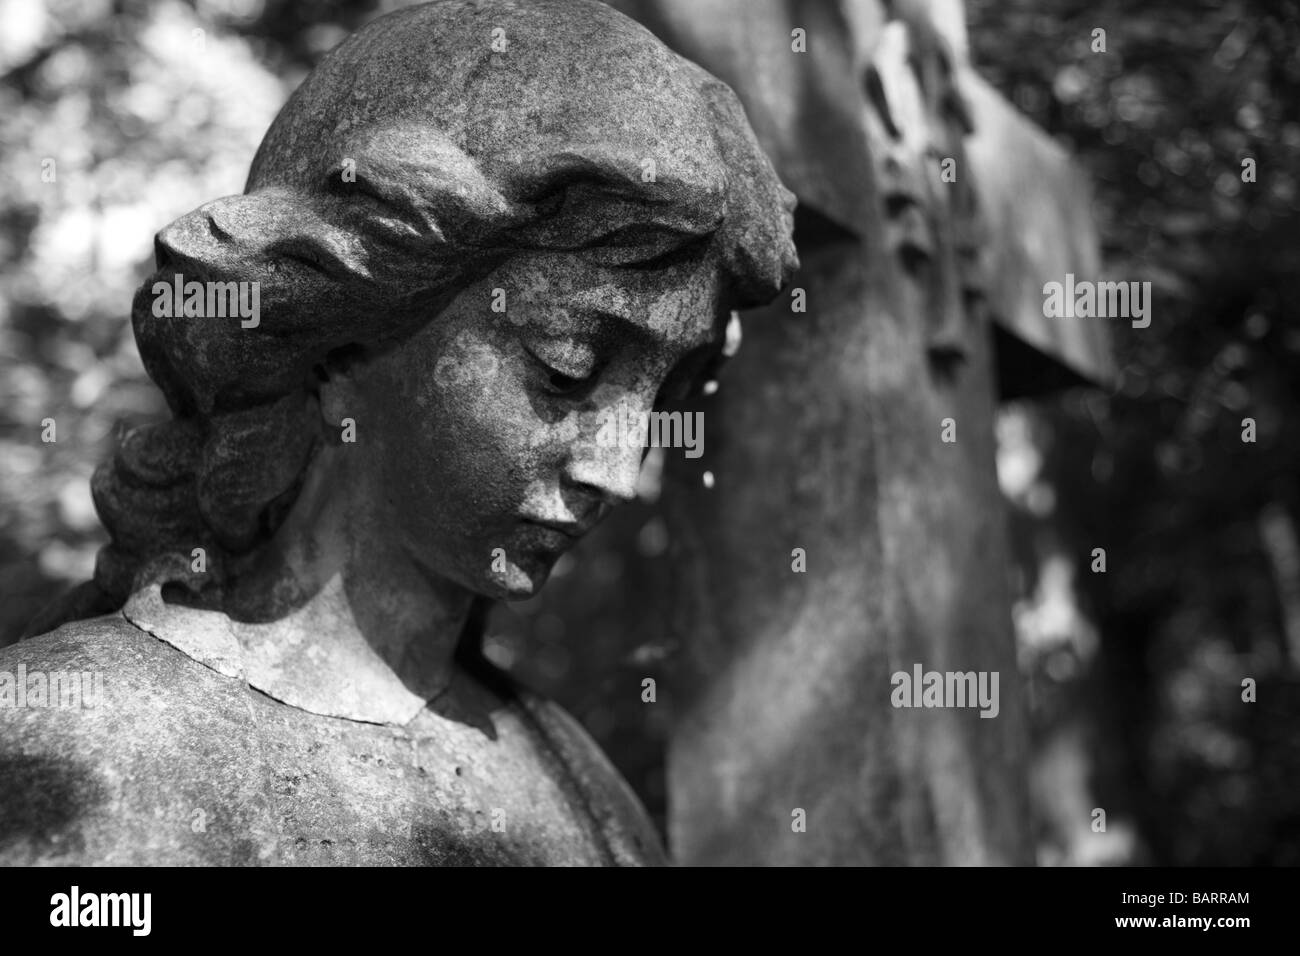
(1131, 672)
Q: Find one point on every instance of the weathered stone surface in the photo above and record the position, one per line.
(177, 764)
(475, 233)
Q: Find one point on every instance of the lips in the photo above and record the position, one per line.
(570, 529)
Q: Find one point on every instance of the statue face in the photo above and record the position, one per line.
(481, 434)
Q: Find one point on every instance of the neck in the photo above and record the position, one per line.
(335, 611)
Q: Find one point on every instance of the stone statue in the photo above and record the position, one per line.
(475, 228)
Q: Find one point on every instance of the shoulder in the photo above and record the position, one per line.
(100, 644)
(108, 668)
(631, 837)
(115, 748)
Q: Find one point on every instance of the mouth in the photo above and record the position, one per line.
(572, 530)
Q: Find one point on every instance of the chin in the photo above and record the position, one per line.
(518, 582)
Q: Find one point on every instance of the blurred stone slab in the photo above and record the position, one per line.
(807, 109)
(1037, 207)
(826, 437)
(803, 106)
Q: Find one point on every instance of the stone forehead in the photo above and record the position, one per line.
(501, 80)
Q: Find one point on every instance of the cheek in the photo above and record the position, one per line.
(477, 400)
(463, 438)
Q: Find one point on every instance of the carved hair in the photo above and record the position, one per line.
(413, 160)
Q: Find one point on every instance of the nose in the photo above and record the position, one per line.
(207, 237)
(607, 463)
(188, 242)
(169, 249)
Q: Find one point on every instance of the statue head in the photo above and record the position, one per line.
(474, 228)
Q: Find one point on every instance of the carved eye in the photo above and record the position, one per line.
(561, 382)
(295, 251)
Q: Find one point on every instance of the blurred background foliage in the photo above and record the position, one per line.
(1136, 674)
(149, 108)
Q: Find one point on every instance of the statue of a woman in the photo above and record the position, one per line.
(474, 230)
